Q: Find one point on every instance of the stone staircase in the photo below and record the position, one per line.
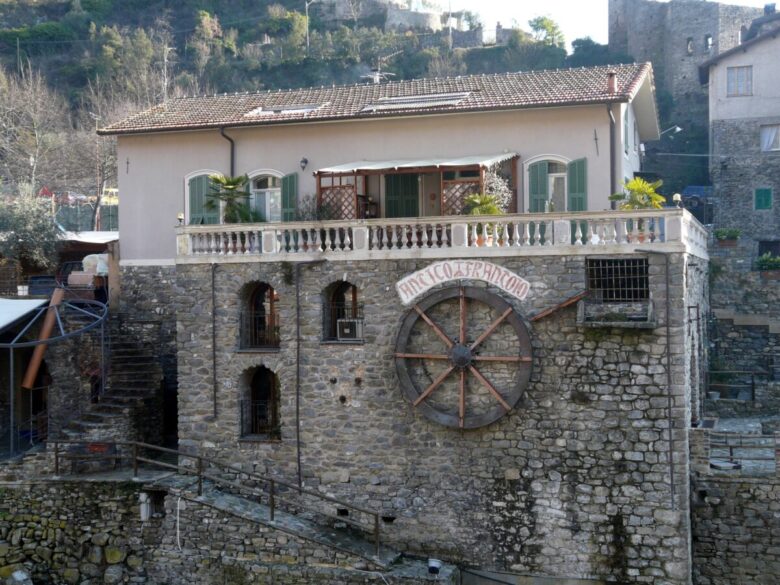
(129, 407)
(351, 547)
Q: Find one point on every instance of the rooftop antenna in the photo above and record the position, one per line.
(377, 75)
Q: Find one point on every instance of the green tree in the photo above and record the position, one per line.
(28, 233)
(547, 31)
(588, 53)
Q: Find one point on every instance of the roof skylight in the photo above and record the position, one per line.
(284, 109)
(414, 102)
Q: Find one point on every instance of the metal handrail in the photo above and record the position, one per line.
(273, 484)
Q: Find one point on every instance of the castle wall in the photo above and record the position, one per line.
(574, 482)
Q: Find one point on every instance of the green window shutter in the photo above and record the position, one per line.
(401, 195)
(199, 211)
(578, 185)
(763, 198)
(537, 188)
(289, 197)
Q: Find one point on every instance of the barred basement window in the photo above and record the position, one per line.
(618, 280)
(260, 318)
(260, 405)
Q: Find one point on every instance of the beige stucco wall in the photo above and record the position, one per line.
(765, 101)
(153, 168)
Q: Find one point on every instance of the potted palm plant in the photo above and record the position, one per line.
(639, 194)
(481, 204)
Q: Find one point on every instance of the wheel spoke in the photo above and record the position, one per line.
(462, 316)
(492, 328)
(447, 341)
(434, 385)
(490, 388)
(502, 358)
(422, 356)
(462, 405)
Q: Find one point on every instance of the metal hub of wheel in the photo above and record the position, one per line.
(478, 375)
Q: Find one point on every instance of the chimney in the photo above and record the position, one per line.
(612, 82)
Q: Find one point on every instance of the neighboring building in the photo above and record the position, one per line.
(745, 135)
(500, 390)
(677, 37)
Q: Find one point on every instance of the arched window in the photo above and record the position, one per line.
(266, 196)
(199, 208)
(260, 405)
(342, 313)
(260, 318)
(557, 185)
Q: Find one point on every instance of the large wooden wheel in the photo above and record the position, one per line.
(470, 379)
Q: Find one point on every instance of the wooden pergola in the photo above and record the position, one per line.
(343, 189)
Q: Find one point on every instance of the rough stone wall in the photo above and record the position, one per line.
(736, 531)
(738, 168)
(574, 482)
(401, 20)
(71, 533)
(90, 532)
(737, 288)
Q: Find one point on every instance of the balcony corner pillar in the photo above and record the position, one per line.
(674, 229)
(183, 244)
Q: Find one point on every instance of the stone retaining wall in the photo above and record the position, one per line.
(90, 532)
(736, 531)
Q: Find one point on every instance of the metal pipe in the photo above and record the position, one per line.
(232, 150)
(11, 397)
(214, 338)
(612, 152)
(48, 325)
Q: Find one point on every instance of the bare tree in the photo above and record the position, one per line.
(33, 124)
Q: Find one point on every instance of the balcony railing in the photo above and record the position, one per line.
(518, 234)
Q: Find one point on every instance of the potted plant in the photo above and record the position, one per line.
(769, 266)
(480, 204)
(230, 193)
(727, 237)
(639, 194)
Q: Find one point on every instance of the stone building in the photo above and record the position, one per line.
(677, 37)
(511, 393)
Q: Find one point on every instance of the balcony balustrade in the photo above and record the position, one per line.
(604, 232)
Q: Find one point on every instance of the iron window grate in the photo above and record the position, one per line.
(618, 280)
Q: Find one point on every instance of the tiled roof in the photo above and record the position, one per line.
(449, 94)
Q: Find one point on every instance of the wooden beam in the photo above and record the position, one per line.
(559, 306)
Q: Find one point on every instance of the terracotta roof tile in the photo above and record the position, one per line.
(484, 92)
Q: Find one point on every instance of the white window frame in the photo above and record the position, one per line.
(736, 87)
(187, 178)
(266, 173)
(775, 145)
(527, 187)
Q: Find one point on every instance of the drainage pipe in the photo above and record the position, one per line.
(214, 337)
(232, 151)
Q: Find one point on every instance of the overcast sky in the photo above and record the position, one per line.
(577, 18)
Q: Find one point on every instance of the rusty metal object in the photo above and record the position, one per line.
(463, 356)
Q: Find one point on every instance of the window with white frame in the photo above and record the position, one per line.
(266, 197)
(770, 138)
(739, 81)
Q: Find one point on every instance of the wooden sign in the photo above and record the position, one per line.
(418, 283)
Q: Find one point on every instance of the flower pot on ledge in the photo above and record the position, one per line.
(770, 274)
(727, 243)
